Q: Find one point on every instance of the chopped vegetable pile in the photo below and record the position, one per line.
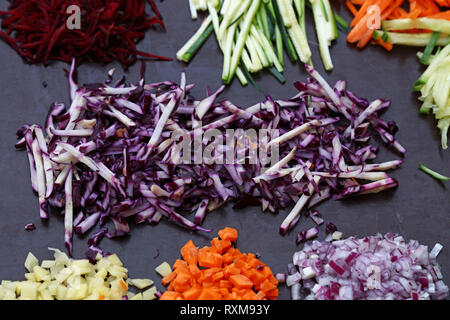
(252, 34)
(371, 268)
(113, 156)
(434, 87)
(109, 30)
(387, 23)
(219, 272)
(67, 279)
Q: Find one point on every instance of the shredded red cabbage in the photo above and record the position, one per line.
(112, 155)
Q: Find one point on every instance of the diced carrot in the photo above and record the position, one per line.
(192, 293)
(267, 286)
(170, 295)
(194, 270)
(217, 276)
(225, 284)
(209, 260)
(228, 234)
(190, 252)
(259, 296)
(167, 279)
(248, 295)
(231, 270)
(227, 273)
(241, 281)
(221, 246)
(224, 291)
(179, 264)
(209, 294)
(272, 294)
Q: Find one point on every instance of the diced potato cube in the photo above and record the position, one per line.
(29, 290)
(63, 275)
(30, 276)
(114, 260)
(31, 262)
(60, 257)
(149, 294)
(163, 269)
(81, 266)
(118, 271)
(47, 264)
(137, 297)
(141, 283)
(40, 272)
(9, 295)
(102, 273)
(61, 292)
(77, 293)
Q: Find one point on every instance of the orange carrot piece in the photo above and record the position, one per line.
(241, 281)
(362, 12)
(192, 293)
(351, 7)
(228, 234)
(168, 279)
(443, 15)
(218, 276)
(209, 260)
(209, 294)
(190, 252)
(259, 296)
(365, 39)
(179, 264)
(225, 284)
(170, 295)
(221, 246)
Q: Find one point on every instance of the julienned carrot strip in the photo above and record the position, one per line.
(226, 274)
(351, 7)
(443, 15)
(362, 12)
(388, 11)
(365, 39)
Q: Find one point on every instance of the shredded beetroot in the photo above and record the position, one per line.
(110, 30)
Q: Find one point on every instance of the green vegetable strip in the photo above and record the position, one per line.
(277, 74)
(434, 174)
(287, 42)
(279, 43)
(236, 58)
(411, 39)
(227, 52)
(249, 77)
(440, 25)
(323, 34)
(429, 48)
(341, 23)
(196, 46)
(193, 40)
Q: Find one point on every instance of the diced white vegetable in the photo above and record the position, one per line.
(141, 283)
(31, 262)
(149, 294)
(163, 269)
